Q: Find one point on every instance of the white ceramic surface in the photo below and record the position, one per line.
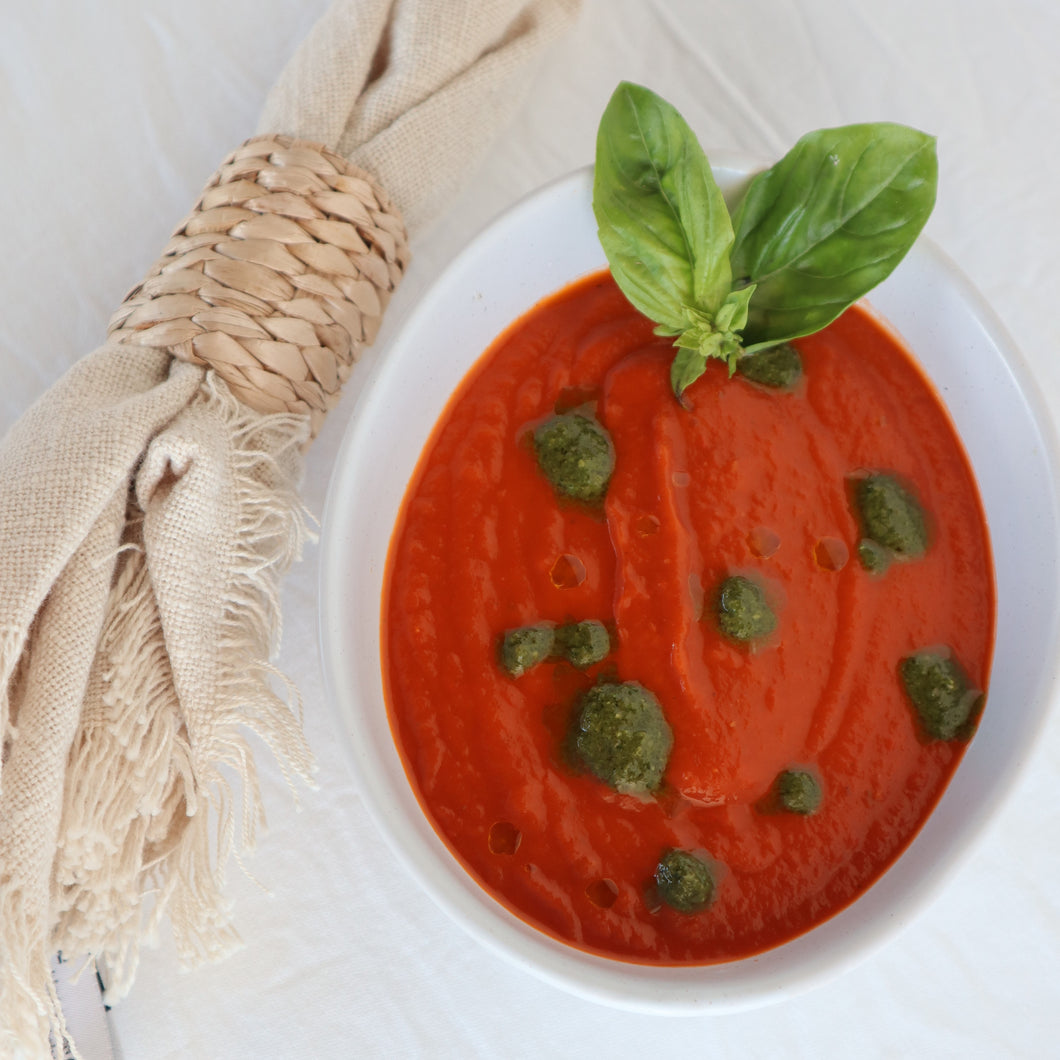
(532, 250)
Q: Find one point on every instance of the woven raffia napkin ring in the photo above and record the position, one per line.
(277, 279)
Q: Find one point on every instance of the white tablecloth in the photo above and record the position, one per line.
(113, 114)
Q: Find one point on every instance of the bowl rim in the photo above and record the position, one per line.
(652, 988)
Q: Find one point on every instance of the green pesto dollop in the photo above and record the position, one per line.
(525, 647)
(621, 736)
(797, 791)
(583, 643)
(779, 367)
(873, 557)
(891, 515)
(684, 881)
(742, 611)
(946, 704)
(576, 455)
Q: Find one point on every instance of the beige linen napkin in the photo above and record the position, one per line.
(148, 501)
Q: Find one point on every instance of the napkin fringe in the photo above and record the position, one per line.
(150, 810)
(29, 1004)
(134, 827)
(173, 808)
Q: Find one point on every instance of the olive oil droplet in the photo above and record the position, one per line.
(568, 572)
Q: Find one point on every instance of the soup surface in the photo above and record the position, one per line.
(737, 480)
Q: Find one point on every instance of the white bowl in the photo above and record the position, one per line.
(535, 248)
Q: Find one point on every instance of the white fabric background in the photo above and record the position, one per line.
(113, 114)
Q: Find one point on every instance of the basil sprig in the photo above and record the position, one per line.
(811, 235)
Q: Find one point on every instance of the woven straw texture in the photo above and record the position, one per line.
(277, 279)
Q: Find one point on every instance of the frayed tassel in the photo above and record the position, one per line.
(31, 1017)
(130, 794)
(149, 820)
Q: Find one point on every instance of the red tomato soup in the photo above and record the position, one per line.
(736, 479)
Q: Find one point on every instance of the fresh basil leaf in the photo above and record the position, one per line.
(734, 311)
(662, 220)
(829, 222)
(686, 367)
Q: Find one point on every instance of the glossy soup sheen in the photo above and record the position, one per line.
(742, 480)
